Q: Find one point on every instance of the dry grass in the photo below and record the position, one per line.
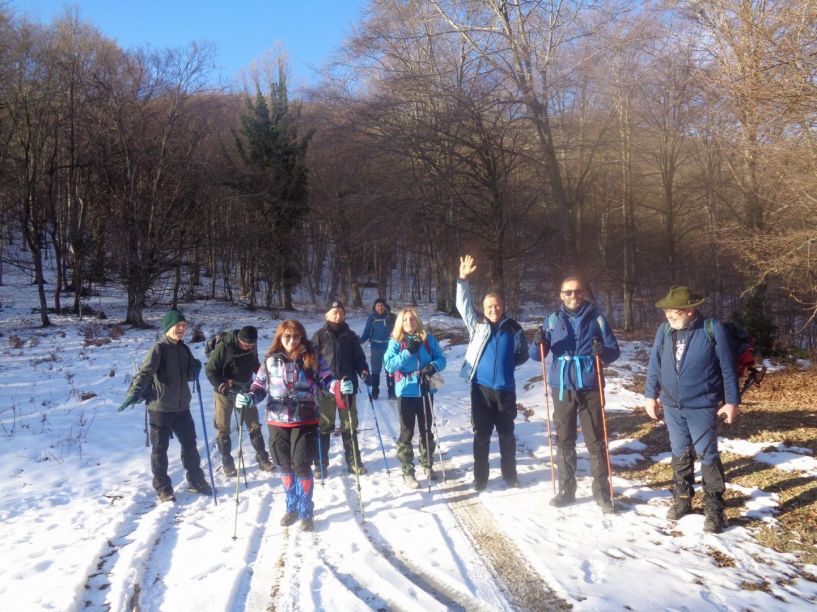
(781, 410)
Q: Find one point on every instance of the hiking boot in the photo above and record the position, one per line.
(200, 487)
(563, 499)
(681, 506)
(410, 481)
(360, 470)
(480, 485)
(375, 393)
(264, 464)
(288, 519)
(166, 495)
(606, 504)
(228, 466)
(714, 520)
(430, 473)
(308, 524)
(512, 483)
(392, 396)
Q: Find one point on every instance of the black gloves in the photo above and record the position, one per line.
(428, 370)
(413, 345)
(598, 347)
(538, 337)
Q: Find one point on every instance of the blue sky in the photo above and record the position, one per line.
(309, 30)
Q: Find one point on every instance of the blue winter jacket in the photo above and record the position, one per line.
(571, 342)
(707, 374)
(493, 350)
(406, 367)
(378, 329)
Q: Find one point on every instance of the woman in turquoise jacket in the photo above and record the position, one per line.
(413, 356)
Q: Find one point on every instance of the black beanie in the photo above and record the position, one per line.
(248, 334)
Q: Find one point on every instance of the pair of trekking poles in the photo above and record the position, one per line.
(600, 381)
(428, 412)
(241, 463)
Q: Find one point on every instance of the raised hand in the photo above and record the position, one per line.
(467, 266)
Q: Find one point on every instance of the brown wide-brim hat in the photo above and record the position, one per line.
(680, 298)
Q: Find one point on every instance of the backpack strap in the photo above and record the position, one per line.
(709, 328)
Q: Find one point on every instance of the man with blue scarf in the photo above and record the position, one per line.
(575, 334)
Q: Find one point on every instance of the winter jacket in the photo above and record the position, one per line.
(406, 367)
(493, 350)
(341, 350)
(378, 329)
(291, 389)
(168, 365)
(571, 342)
(229, 362)
(706, 376)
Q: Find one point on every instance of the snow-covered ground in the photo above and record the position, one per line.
(82, 528)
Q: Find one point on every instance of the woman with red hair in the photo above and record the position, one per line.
(289, 379)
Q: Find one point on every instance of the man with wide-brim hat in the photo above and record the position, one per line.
(692, 370)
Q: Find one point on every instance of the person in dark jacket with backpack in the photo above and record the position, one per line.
(414, 356)
(496, 346)
(692, 370)
(575, 334)
(169, 367)
(377, 330)
(230, 369)
(341, 349)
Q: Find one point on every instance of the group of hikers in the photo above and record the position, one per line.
(691, 381)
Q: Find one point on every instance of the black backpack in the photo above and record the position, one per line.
(743, 348)
(213, 340)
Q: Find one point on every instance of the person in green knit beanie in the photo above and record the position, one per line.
(167, 369)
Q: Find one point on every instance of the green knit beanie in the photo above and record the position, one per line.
(171, 318)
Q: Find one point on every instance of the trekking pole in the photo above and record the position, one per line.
(239, 419)
(426, 419)
(436, 435)
(348, 400)
(241, 463)
(547, 414)
(206, 442)
(147, 437)
(600, 378)
(320, 456)
(377, 426)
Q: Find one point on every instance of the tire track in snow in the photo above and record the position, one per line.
(127, 556)
(523, 586)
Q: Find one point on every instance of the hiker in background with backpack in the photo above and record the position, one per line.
(413, 354)
(341, 349)
(496, 346)
(377, 330)
(233, 362)
(169, 366)
(692, 374)
(575, 334)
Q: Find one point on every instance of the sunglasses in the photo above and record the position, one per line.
(289, 337)
(569, 292)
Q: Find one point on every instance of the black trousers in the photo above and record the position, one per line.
(293, 448)
(162, 424)
(493, 408)
(586, 405)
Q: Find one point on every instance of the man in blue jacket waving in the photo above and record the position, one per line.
(692, 369)
(496, 346)
(575, 334)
